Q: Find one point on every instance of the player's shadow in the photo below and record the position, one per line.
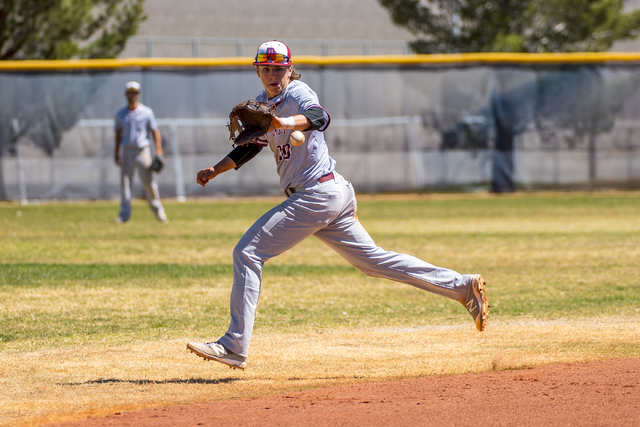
(150, 382)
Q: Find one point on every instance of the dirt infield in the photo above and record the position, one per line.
(603, 393)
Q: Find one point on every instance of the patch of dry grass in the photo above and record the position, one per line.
(74, 382)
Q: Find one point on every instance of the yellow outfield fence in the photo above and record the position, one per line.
(494, 121)
(435, 59)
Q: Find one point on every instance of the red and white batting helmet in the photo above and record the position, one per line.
(273, 53)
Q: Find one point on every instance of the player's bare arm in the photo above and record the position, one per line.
(297, 122)
(117, 140)
(158, 142)
(206, 175)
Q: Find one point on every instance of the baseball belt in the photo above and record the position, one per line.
(324, 178)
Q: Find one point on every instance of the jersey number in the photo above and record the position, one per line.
(284, 152)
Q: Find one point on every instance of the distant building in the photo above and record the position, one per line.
(346, 25)
(214, 28)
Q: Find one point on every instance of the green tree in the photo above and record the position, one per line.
(447, 26)
(41, 110)
(63, 29)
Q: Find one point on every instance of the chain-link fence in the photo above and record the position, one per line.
(394, 127)
(198, 47)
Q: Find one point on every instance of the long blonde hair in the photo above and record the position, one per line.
(295, 75)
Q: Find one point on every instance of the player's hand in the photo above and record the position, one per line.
(205, 175)
(117, 159)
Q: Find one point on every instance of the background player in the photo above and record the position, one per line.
(320, 202)
(134, 122)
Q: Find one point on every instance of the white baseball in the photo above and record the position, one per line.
(297, 138)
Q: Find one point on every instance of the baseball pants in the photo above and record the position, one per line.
(133, 158)
(328, 211)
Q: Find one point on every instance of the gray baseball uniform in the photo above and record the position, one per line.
(135, 127)
(320, 203)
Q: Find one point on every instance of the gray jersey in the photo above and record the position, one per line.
(135, 125)
(300, 166)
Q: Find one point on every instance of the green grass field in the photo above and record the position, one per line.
(69, 276)
(71, 281)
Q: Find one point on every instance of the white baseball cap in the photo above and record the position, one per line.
(132, 85)
(273, 53)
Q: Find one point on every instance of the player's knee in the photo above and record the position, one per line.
(238, 252)
(242, 254)
(365, 268)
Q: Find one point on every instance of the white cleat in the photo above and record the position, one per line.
(217, 352)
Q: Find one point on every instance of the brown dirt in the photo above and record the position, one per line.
(605, 393)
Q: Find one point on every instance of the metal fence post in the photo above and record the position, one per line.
(196, 48)
(23, 186)
(177, 164)
(416, 166)
(21, 182)
(325, 48)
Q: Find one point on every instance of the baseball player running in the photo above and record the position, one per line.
(319, 202)
(133, 124)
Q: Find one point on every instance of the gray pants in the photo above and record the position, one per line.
(138, 158)
(327, 211)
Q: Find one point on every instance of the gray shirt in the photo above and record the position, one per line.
(135, 126)
(300, 166)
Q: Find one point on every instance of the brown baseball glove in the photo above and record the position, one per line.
(249, 120)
